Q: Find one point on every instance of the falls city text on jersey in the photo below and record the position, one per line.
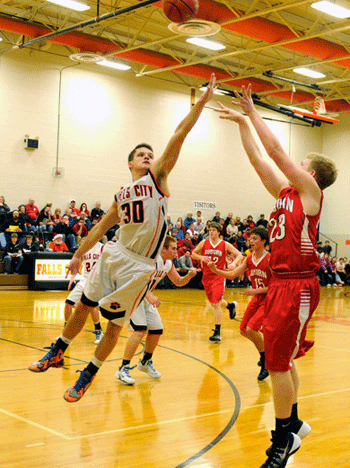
(139, 191)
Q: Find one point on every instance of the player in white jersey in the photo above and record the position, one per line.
(89, 261)
(146, 318)
(122, 275)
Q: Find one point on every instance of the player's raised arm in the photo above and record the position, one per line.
(296, 175)
(162, 166)
(273, 183)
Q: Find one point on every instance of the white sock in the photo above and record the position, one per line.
(65, 340)
(96, 362)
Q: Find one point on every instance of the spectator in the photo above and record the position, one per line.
(28, 247)
(32, 209)
(180, 233)
(67, 232)
(251, 223)
(198, 225)
(97, 212)
(48, 204)
(246, 233)
(191, 230)
(72, 217)
(83, 215)
(4, 209)
(223, 234)
(185, 262)
(195, 239)
(217, 217)
(57, 216)
(238, 223)
(11, 225)
(57, 244)
(322, 272)
(331, 279)
(340, 269)
(189, 220)
(205, 231)
(228, 219)
(186, 239)
(80, 230)
(243, 226)
(25, 218)
(182, 226)
(84, 209)
(183, 249)
(240, 242)
(73, 207)
(262, 221)
(327, 248)
(45, 223)
(168, 220)
(13, 255)
(170, 228)
(231, 230)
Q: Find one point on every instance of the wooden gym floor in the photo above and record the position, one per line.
(208, 409)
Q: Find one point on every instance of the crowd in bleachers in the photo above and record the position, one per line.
(28, 229)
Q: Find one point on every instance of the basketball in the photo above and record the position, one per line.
(179, 11)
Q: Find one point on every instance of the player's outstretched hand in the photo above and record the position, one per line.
(229, 114)
(192, 272)
(74, 266)
(211, 88)
(245, 100)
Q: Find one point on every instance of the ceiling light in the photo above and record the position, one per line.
(116, 65)
(71, 4)
(206, 44)
(332, 9)
(308, 72)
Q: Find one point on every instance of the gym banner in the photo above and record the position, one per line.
(49, 270)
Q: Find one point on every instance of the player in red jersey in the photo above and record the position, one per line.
(215, 250)
(294, 290)
(257, 266)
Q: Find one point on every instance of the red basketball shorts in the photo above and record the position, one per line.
(254, 314)
(214, 288)
(289, 306)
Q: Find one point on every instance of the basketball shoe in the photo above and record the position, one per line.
(76, 392)
(298, 427)
(54, 358)
(279, 454)
(149, 369)
(216, 336)
(99, 335)
(231, 306)
(263, 374)
(123, 375)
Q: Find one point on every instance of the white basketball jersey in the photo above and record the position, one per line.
(91, 257)
(142, 208)
(162, 269)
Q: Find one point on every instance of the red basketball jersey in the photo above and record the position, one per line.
(217, 253)
(259, 271)
(292, 235)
